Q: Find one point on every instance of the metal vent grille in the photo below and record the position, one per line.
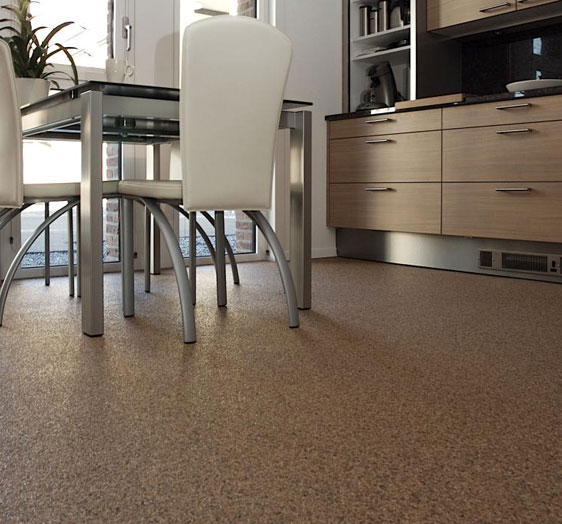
(522, 262)
(486, 258)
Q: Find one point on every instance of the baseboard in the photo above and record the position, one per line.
(324, 252)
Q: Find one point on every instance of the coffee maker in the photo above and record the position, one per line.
(383, 92)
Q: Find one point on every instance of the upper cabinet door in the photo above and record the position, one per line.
(525, 4)
(445, 13)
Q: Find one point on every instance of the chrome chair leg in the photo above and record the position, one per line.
(184, 288)
(127, 257)
(70, 222)
(193, 253)
(202, 232)
(231, 257)
(10, 214)
(220, 264)
(47, 249)
(78, 252)
(284, 270)
(147, 237)
(23, 250)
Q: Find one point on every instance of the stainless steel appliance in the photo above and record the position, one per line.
(364, 20)
(384, 15)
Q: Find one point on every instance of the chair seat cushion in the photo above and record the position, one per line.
(160, 189)
(62, 190)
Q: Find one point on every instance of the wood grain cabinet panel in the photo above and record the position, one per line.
(507, 112)
(522, 211)
(414, 208)
(503, 153)
(525, 4)
(414, 157)
(445, 13)
(384, 124)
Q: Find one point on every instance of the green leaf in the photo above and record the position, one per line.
(71, 60)
(53, 32)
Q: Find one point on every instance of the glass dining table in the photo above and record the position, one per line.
(97, 112)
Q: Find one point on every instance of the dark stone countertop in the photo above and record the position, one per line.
(534, 93)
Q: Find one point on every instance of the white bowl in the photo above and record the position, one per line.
(527, 85)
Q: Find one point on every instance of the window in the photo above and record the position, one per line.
(59, 161)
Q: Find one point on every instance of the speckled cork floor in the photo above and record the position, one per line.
(408, 395)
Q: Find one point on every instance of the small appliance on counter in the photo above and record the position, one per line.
(383, 92)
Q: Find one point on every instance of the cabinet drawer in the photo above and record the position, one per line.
(525, 4)
(517, 152)
(480, 210)
(444, 13)
(412, 157)
(429, 120)
(414, 208)
(507, 112)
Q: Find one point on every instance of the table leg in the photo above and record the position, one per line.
(147, 248)
(155, 264)
(91, 194)
(300, 203)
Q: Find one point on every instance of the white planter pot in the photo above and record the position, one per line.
(31, 89)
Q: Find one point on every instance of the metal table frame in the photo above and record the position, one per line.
(98, 112)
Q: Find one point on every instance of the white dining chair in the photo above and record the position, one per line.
(15, 196)
(227, 140)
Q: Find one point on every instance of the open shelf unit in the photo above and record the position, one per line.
(424, 64)
(366, 51)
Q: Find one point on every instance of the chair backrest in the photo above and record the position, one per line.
(234, 73)
(11, 148)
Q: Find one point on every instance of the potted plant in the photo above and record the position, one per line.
(31, 56)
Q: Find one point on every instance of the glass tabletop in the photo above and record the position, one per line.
(127, 90)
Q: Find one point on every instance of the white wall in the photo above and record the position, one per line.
(315, 28)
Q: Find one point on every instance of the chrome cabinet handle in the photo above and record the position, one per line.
(494, 7)
(378, 189)
(514, 106)
(379, 121)
(512, 189)
(514, 131)
(378, 141)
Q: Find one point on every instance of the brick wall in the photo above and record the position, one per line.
(247, 7)
(112, 206)
(244, 233)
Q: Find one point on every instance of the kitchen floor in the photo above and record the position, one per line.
(408, 395)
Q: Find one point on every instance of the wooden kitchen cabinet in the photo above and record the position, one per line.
(409, 157)
(506, 112)
(494, 170)
(519, 211)
(445, 13)
(408, 207)
(429, 120)
(503, 153)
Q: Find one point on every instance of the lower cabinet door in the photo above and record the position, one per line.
(407, 157)
(518, 211)
(408, 207)
(513, 152)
